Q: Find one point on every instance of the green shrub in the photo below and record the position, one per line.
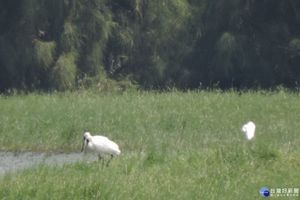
(44, 53)
(64, 72)
(70, 38)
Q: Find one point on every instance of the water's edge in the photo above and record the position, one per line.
(10, 161)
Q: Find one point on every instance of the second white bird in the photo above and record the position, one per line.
(249, 130)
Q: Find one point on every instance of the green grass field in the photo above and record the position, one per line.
(175, 145)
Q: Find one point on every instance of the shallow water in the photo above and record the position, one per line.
(10, 161)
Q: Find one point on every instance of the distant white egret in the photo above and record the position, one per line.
(101, 145)
(249, 130)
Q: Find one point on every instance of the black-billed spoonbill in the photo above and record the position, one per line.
(249, 130)
(101, 145)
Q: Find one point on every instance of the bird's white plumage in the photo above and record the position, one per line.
(249, 130)
(100, 145)
(103, 145)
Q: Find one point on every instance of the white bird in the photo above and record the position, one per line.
(101, 145)
(249, 130)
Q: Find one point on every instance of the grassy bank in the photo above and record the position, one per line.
(174, 145)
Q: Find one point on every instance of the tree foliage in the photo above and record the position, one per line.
(64, 72)
(158, 44)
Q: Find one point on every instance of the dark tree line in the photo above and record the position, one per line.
(65, 44)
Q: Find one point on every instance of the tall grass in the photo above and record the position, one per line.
(174, 145)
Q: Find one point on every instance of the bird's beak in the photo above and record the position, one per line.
(83, 145)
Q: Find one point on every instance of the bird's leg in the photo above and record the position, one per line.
(111, 157)
(101, 158)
